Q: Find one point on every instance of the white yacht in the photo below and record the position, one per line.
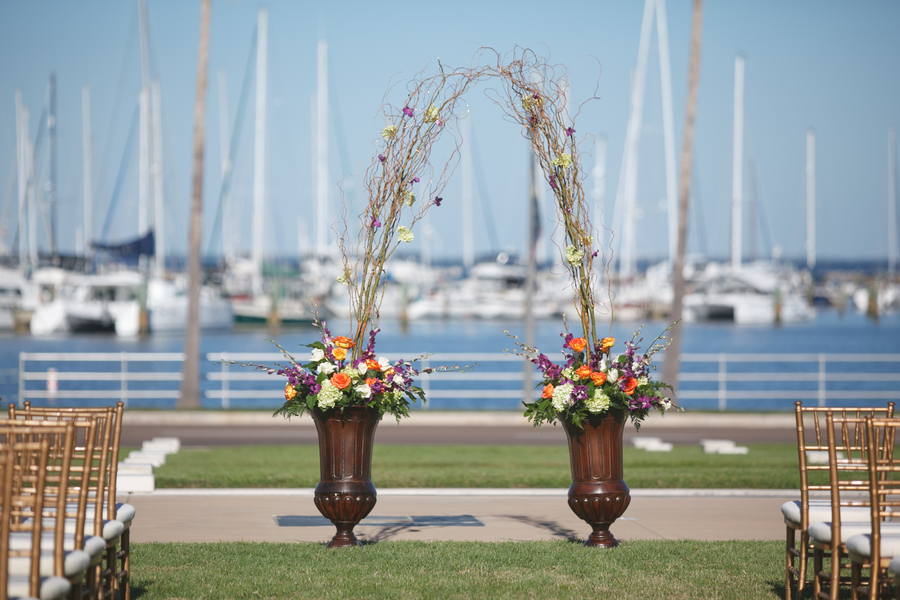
(18, 300)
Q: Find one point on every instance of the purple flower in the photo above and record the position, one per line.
(414, 180)
(407, 111)
(535, 96)
(439, 123)
(437, 201)
(580, 392)
(370, 348)
(375, 223)
(381, 157)
(553, 182)
(570, 131)
(595, 253)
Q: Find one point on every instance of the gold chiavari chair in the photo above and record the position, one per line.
(82, 475)
(94, 435)
(798, 514)
(32, 571)
(876, 550)
(118, 563)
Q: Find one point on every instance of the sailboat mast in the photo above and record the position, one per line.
(259, 151)
(665, 76)
(892, 204)
(737, 166)
(467, 238)
(810, 199)
(51, 132)
(145, 146)
(322, 150)
(225, 152)
(600, 189)
(22, 177)
(87, 183)
(156, 172)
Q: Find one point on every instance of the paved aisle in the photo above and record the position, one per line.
(474, 515)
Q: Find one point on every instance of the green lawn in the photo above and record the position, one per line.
(772, 466)
(638, 569)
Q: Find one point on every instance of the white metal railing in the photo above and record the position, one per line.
(705, 381)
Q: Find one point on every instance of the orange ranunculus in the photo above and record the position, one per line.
(599, 378)
(340, 380)
(339, 353)
(344, 342)
(370, 380)
(630, 384)
(389, 371)
(372, 364)
(578, 344)
(583, 372)
(289, 392)
(548, 391)
(607, 343)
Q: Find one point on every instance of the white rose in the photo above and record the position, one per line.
(603, 364)
(664, 405)
(643, 381)
(364, 390)
(363, 368)
(612, 375)
(383, 362)
(325, 367)
(398, 380)
(636, 366)
(317, 354)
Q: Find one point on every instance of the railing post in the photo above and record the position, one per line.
(226, 373)
(821, 380)
(723, 384)
(123, 373)
(19, 400)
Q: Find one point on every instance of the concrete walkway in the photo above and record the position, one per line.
(468, 514)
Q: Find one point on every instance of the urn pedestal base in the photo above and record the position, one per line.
(345, 494)
(598, 495)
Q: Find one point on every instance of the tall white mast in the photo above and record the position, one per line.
(259, 151)
(87, 151)
(225, 152)
(665, 75)
(810, 198)
(156, 171)
(599, 175)
(146, 139)
(22, 176)
(467, 237)
(322, 151)
(737, 165)
(31, 192)
(627, 192)
(892, 203)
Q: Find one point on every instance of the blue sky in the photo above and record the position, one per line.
(827, 65)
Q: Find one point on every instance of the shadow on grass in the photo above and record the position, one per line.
(138, 591)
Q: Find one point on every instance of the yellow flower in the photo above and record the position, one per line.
(389, 132)
(431, 114)
(563, 160)
(404, 234)
(339, 353)
(289, 392)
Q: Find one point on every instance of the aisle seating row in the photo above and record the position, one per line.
(846, 455)
(63, 533)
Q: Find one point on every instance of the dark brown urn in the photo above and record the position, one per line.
(345, 494)
(598, 494)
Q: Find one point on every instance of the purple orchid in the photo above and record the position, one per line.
(407, 111)
(570, 131)
(438, 200)
(375, 223)
(553, 182)
(414, 180)
(382, 157)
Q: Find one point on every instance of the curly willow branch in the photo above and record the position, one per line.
(534, 97)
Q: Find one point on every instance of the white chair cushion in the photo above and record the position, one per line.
(862, 545)
(94, 545)
(52, 588)
(75, 563)
(820, 510)
(110, 532)
(124, 512)
(821, 531)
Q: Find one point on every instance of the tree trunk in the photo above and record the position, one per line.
(672, 363)
(190, 388)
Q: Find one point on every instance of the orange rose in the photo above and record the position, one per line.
(389, 371)
(578, 344)
(370, 380)
(598, 378)
(339, 353)
(607, 343)
(343, 342)
(289, 392)
(340, 380)
(630, 384)
(548, 391)
(372, 364)
(583, 372)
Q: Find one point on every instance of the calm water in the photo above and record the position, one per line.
(830, 332)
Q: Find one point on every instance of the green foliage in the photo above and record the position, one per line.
(561, 569)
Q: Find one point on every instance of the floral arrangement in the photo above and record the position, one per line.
(593, 381)
(331, 379)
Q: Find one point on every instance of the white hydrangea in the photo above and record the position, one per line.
(561, 396)
(389, 132)
(643, 381)
(326, 367)
(598, 402)
(569, 373)
(563, 160)
(404, 234)
(328, 395)
(574, 256)
(317, 354)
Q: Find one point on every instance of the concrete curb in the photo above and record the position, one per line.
(479, 492)
(422, 418)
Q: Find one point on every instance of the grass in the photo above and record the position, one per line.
(769, 466)
(638, 569)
